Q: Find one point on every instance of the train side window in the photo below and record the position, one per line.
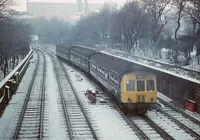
(150, 85)
(130, 85)
(140, 85)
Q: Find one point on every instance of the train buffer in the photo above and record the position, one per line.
(91, 95)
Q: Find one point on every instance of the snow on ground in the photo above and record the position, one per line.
(8, 120)
(193, 62)
(164, 97)
(193, 114)
(56, 126)
(108, 120)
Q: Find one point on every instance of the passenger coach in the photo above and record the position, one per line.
(80, 57)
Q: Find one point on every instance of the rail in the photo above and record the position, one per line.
(71, 135)
(173, 107)
(185, 128)
(27, 100)
(80, 103)
(158, 129)
(63, 102)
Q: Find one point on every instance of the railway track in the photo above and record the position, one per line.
(30, 123)
(77, 120)
(143, 126)
(180, 111)
(184, 123)
(150, 128)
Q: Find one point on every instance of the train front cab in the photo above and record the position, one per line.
(138, 90)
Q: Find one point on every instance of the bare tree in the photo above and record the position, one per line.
(116, 31)
(104, 22)
(13, 36)
(158, 11)
(180, 4)
(193, 10)
(133, 23)
(4, 3)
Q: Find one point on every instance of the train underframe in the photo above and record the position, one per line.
(140, 108)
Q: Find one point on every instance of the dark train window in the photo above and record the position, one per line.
(150, 85)
(130, 85)
(140, 85)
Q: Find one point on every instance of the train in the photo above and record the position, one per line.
(131, 85)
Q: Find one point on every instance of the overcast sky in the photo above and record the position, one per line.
(20, 5)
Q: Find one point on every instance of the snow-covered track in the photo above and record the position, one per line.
(30, 121)
(137, 129)
(158, 129)
(78, 123)
(129, 120)
(176, 118)
(177, 109)
(143, 126)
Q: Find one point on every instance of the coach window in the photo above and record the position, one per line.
(130, 85)
(150, 85)
(140, 85)
(116, 79)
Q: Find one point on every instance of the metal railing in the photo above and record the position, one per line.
(9, 84)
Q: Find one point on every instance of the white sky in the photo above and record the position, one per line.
(20, 5)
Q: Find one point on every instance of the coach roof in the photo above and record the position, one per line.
(64, 46)
(84, 51)
(116, 64)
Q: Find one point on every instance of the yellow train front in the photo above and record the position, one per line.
(132, 85)
(138, 91)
